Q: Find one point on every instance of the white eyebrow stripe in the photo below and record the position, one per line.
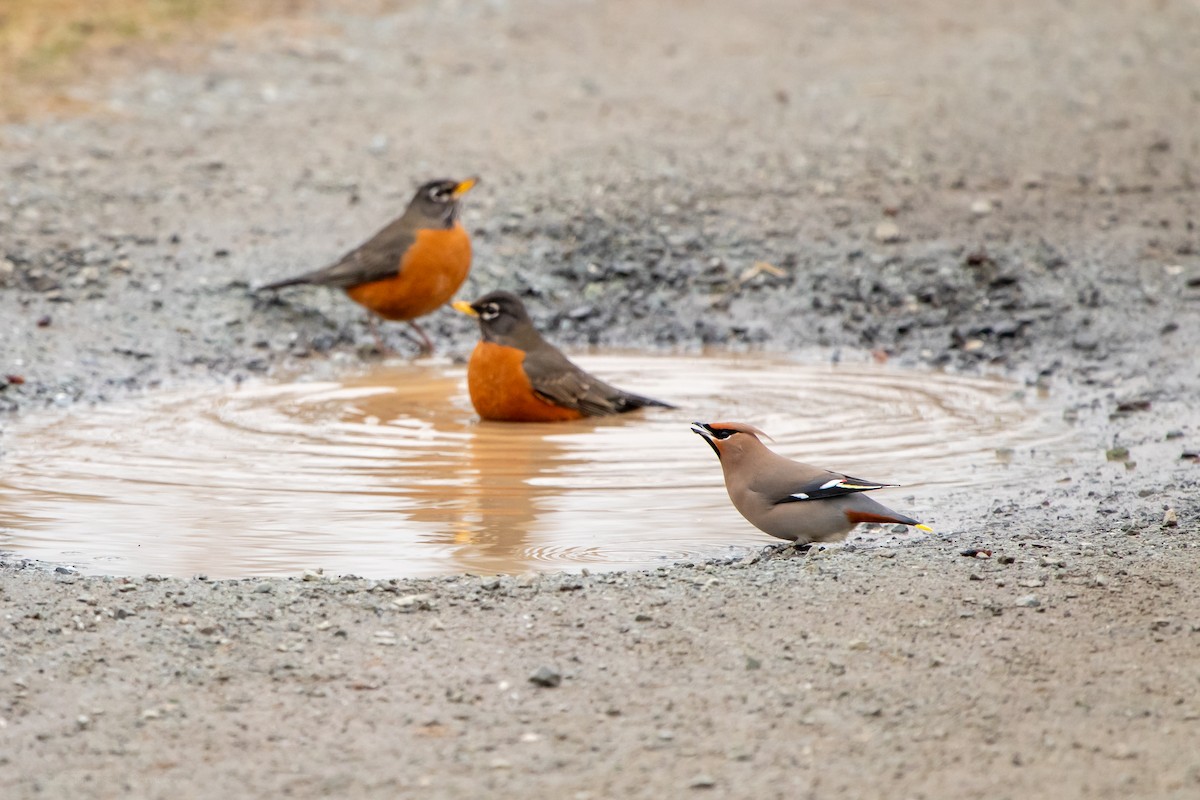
(831, 484)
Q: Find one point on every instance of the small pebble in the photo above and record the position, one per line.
(1124, 752)
(378, 145)
(546, 677)
(1028, 601)
(887, 232)
(981, 208)
(412, 602)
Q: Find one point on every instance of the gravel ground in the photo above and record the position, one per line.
(1003, 186)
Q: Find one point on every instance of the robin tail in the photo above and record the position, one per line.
(629, 402)
(298, 280)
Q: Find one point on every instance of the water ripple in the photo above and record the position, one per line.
(388, 472)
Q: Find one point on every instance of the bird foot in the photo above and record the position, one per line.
(772, 551)
(424, 349)
(789, 550)
(369, 351)
(381, 346)
(424, 345)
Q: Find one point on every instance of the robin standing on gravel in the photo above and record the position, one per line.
(787, 499)
(517, 376)
(412, 266)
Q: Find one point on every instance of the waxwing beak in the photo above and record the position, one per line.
(705, 433)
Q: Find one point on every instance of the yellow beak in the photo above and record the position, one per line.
(465, 187)
(464, 307)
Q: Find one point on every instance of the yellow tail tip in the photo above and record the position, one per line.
(921, 527)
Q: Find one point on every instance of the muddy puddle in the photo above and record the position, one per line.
(387, 471)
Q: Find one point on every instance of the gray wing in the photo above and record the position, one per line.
(374, 260)
(556, 379)
(825, 486)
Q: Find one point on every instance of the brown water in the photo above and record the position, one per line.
(387, 472)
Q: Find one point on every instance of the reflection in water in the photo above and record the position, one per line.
(388, 472)
(477, 487)
(504, 490)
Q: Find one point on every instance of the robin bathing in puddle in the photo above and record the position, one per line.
(515, 375)
(787, 499)
(410, 268)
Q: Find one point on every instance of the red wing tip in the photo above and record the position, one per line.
(864, 516)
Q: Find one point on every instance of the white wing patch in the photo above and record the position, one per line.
(835, 487)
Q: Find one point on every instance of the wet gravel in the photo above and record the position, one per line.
(1007, 189)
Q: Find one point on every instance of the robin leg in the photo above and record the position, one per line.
(426, 344)
(373, 326)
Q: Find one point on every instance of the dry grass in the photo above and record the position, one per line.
(45, 45)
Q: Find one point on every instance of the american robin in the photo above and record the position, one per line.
(517, 376)
(412, 266)
(787, 499)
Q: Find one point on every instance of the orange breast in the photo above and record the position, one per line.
(428, 275)
(500, 389)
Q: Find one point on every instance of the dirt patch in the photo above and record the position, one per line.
(47, 48)
(1009, 187)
